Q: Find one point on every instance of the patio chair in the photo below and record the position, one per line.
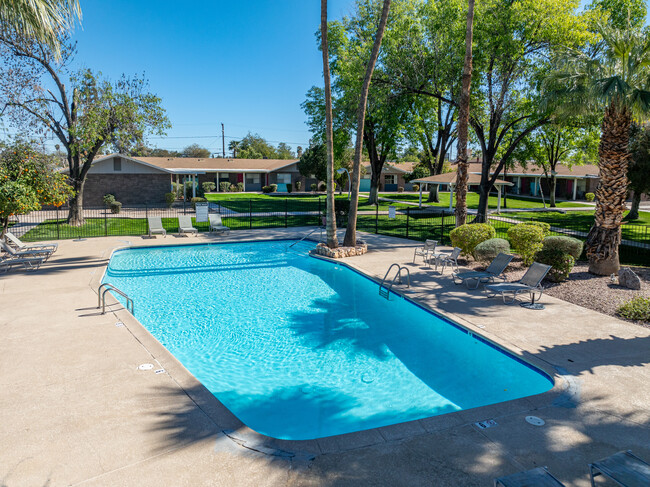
(537, 477)
(156, 226)
(624, 468)
(29, 263)
(494, 271)
(185, 225)
(43, 253)
(427, 250)
(216, 225)
(530, 283)
(447, 259)
(12, 239)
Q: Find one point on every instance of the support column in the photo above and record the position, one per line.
(421, 184)
(536, 184)
(575, 188)
(499, 198)
(243, 180)
(193, 185)
(451, 196)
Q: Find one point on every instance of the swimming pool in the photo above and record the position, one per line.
(300, 348)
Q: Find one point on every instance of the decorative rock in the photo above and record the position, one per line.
(627, 278)
(341, 252)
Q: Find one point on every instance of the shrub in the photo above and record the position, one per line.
(561, 263)
(116, 207)
(266, 189)
(232, 188)
(527, 240)
(489, 249)
(197, 200)
(546, 227)
(590, 196)
(108, 199)
(169, 199)
(240, 187)
(314, 186)
(274, 187)
(416, 187)
(637, 308)
(468, 236)
(322, 187)
(400, 189)
(298, 185)
(208, 186)
(224, 186)
(568, 245)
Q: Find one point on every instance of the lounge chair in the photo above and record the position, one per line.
(29, 263)
(43, 253)
(185, 225)
(216, 225)
(530, 283)
(11, 238)
(447, 259)
(156, 226)
(537, 477)
(426, 251)
(624, 468)
(494, 271)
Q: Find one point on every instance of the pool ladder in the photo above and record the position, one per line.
(101, 297)
(384, 290)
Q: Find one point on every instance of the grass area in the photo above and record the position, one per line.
(472, 201)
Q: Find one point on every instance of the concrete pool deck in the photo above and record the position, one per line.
(75, 409)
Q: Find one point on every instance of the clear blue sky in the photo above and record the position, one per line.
(247, 64)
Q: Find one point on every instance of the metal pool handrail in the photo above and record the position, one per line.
(101, 297)
(384, 291)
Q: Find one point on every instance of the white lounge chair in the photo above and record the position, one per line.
(494, 271)
(185, 225)
(530, 283)
(216, 225)
(43, 253)
(426, 251)
(156, 226)
(16, 242)
(445, 259)
(29, 263)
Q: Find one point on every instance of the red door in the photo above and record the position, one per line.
(240, 178)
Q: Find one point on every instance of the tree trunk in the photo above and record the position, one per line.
(434, 196)
(605, 235)
(483, 201)
(76, 212)
(350, 239)
(552, 189)
(332, 241)
(373, 197)
(633, 214)
(463, 122)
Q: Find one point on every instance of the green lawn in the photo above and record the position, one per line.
(472, 201)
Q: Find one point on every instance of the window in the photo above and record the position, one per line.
(284, 178)
(224, 175)
(390, 179)
(117, 164)
(252, 179)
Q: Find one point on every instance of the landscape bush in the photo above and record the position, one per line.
(546, 227)
(298, 185)
(314, 186)
(224, 186)
(196, 200)
(108, 199)
(568, 245)
(322, 187)
(561, 263)
(266, 189)
(637, 309)
(169, 199)
(416, 187)
(468, 236)
(590, 196)
(490, 248)
(400, 189)
(232, 188)
(208, 186)
(240, 187)
(527, 240)
(116, 207)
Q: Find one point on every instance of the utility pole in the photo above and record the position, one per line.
(223, 141)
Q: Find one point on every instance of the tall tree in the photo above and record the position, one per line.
(332, 241)
(463, 121)
(639, 169)
(350, 238)
(94, 113)
(613, 77)
(195, 151)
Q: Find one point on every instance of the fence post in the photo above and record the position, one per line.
(286, 203)
(319, 212)
(442, 228)
(146, 216)
(250, 213)
(408, 214)
(376, 218)
(105, 222)
(58, 231)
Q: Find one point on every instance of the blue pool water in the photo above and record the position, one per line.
(299, 348)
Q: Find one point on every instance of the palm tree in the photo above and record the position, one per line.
(332, 241)
(613, 77)
(463, 122)
(40, 20)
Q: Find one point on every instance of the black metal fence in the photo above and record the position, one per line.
(411, 222)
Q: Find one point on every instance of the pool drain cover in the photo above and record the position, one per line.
(146, 367)
(535, 421)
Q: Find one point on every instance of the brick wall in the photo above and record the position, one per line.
(129, 189)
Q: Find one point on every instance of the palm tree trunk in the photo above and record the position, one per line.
(332, 241)
(463, 122)
(605, 235)
(350, 239)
